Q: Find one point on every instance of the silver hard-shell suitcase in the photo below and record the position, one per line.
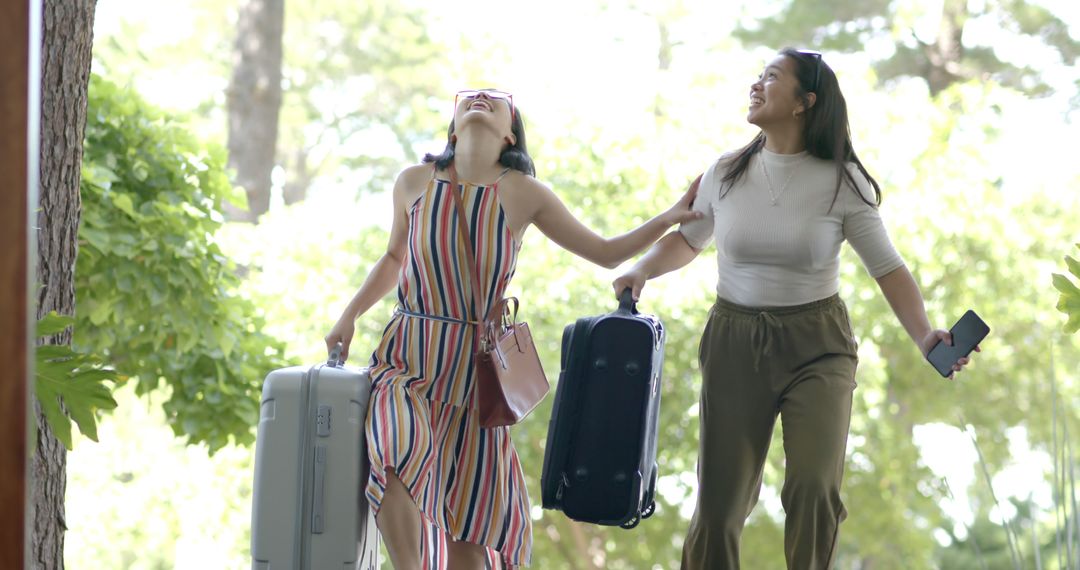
(308, 505)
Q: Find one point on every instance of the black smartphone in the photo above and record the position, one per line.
(967, 333)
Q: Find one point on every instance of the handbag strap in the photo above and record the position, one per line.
(463, 231)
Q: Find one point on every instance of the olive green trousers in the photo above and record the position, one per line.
(796, 362)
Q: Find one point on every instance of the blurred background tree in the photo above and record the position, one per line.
(253, 102)
(355, 83)
(942, 43)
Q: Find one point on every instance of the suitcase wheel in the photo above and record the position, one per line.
(632, 522)
(649, 510)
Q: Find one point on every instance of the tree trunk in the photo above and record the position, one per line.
(945, 54)
(65, 76)
(300, 177)
(254, 100)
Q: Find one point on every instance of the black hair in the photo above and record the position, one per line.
(827, 133)
(515, 156)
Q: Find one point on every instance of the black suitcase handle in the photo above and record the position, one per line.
(626, 302)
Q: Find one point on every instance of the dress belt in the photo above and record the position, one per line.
(439, 318)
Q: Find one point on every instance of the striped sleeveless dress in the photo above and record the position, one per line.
(422, 420)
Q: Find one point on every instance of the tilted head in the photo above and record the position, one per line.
(489, 110)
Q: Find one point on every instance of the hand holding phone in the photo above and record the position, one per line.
(967, 333)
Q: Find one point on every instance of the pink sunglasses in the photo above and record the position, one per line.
(505, 96)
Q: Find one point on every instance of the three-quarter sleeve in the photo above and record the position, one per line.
(865, 230)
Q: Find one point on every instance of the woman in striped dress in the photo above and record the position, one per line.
(446, 492)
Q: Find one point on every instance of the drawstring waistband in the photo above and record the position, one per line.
(767, 321)
(782, 311)
(762, 335)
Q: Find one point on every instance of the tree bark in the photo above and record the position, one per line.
(65, 77)
(253, 100)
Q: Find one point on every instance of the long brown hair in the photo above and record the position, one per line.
(827, 132)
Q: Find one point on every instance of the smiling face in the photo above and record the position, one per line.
(484, 108)
(774, 97)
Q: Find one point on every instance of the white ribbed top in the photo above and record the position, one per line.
(787, 254)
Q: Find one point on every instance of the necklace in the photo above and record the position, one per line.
(775, 196)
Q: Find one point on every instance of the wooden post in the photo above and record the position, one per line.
(19, 86)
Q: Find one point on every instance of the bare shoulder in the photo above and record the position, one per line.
(415, 175)
(522, 197)
(522, 188)
(411, 182)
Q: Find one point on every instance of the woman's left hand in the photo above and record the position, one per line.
(945, 336)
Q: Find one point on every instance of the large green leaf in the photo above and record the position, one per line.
(1073, 264)
(1065, 286)
(1069, 300)
(70, 385)
(53, 323)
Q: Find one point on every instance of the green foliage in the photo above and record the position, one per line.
(69, 385)
(155, 296)
(1069, 302)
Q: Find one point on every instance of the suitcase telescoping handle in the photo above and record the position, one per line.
(626, 302)
(335, 356)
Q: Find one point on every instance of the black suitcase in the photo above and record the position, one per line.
(600, 459)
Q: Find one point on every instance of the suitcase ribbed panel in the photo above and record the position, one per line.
(276, 500)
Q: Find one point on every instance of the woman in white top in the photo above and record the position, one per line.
(778, 340)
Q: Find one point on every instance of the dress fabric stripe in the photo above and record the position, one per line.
(422, 423)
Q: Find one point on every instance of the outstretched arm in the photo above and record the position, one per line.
(902, 292)
(556, 222)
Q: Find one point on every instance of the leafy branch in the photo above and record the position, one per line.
(70, 385)
(157, 297)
